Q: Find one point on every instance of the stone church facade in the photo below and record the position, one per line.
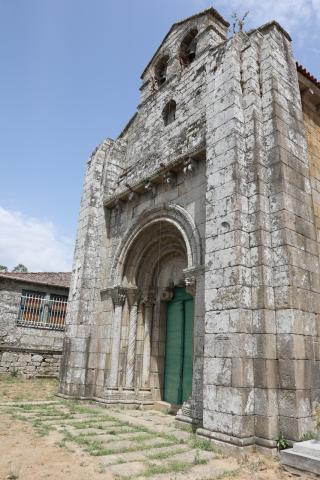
(196, 268)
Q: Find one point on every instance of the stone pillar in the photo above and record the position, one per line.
(118, 297)
(148, 301)
(133, 295)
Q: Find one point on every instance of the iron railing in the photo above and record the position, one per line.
(41, 312)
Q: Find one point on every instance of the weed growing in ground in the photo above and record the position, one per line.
(171, 467)
(201, 444)
(12, 476)
(198, 460)
(228, 474)
(166, 454)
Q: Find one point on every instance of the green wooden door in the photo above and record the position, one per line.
(179, 345)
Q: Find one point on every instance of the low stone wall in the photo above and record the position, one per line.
(30, 363)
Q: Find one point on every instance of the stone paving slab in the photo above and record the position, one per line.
(124, 444)
(131, 469)
(139, 455)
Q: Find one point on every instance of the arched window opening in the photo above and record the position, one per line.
(188, 48)
(169, 112)
(161, 70)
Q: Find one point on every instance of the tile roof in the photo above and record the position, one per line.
(57, 279)
(307, 74)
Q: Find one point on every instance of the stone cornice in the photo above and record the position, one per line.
(185, 163)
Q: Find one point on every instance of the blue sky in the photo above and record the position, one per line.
(70, 76)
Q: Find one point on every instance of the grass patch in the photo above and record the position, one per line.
(16, 388)
(310, 435)
(201, 444)
(166, 454)
(198, 460)
(228, 474)
(171, 467)
(41, 428)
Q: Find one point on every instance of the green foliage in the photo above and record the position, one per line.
(171, 467)
(12, 476)
(20, 268)
(317, 415)
(3, 268)
(238, 22)
(198, 460)
(310, 435)
(281, 442)
(201, 444)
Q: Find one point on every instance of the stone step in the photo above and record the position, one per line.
(308, 447)
(300, 461)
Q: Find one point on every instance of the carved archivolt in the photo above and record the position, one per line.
(169, 221)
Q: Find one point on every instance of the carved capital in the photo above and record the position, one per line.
(118, 294)
(148, 298)
(133, 296)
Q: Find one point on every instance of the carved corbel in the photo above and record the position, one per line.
(133, 197)
(151, 187)
(169, 178)
(189, 166)
(118, 207)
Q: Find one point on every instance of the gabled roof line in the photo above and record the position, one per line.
(211, 11)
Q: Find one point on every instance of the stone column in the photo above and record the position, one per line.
(118, 297)
(133, 295)
(148, 301)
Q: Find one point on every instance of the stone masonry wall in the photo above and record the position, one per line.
(312, 128)
(253, 201)
(24, 350)
(27, 364)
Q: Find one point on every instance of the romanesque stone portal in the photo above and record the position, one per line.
(198, 232)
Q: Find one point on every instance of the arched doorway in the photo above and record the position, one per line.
(155, 265)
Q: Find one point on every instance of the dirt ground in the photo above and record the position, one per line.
(16, 389)
(68, 440)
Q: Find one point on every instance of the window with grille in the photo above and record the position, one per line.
(37, 309)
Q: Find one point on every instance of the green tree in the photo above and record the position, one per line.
(20, 268)
(3, 268)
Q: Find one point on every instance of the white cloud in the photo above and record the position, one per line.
(33, 242)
